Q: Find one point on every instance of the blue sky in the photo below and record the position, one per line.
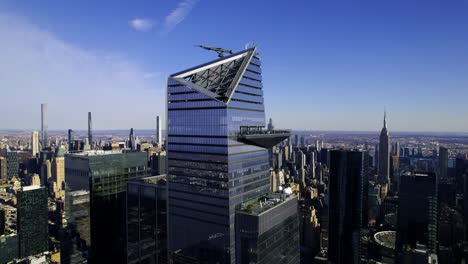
(328, 65)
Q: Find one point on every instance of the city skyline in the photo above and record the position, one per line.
(208, 132)
(126, 59)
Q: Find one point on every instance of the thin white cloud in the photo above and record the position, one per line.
(37, 66)
(141, 24)
(179, 14)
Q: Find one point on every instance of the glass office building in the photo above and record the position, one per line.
(147, 220)
(268, 230)
(348, 196)
(217, 153)
(32, 221)
(105, 174)
(12, 164)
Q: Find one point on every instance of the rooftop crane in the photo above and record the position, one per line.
(220, 51)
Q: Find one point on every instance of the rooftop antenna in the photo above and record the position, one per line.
(218, 50)
(250, 44)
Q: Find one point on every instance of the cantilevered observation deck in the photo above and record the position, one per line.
(258, 136)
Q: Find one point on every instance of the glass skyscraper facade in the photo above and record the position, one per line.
(12, 164)
(268, 230)
(32, 221)
(147, 220)
(105, 174)
(348, 186)
(210, 171)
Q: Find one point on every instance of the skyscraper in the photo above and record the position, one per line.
(32, 220)
(260, 239)
(347, 205)
(105, 174)
(443, 163)
(217, 154)
(158, 131)
(71, 141)
(46, 172)
(34, 143)
(417, 212)
(147, 220)
(3, 168)
(44, 126)
(90, 131)
(131, 140)
(270, 125)
(58, 173)
(384, 155)
(12, 164)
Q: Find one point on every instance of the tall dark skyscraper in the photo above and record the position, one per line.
(44, 126)
(217, 154)
(12, 164)
(384, 155)
(417, 212)
(443, 163)
(32, 220)
(131, 140)
(90, 131)
(105, 174)
(147, 220)
(347, 205)
(71, 140)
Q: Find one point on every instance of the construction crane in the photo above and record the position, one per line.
(220, 51)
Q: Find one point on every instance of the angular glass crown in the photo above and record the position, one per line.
(217, 79)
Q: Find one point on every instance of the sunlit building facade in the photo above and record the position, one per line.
(217, 154)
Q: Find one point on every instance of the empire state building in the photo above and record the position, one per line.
(384, 157)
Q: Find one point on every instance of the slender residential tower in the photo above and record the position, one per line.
(218, 161)
(44, 137)
(158, 131)
(35, 143)
(384, 155)
(90, 131)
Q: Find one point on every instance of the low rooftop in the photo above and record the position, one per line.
(260, 205)
(95, 153)
(157, 179)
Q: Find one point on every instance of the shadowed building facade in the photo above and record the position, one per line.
(217, 154)
(348, 186)
(147, 220)
(417, 212)
(105, 175)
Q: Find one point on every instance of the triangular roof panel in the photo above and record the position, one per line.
(218, 78)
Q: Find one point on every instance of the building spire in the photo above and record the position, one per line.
(385, 118)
